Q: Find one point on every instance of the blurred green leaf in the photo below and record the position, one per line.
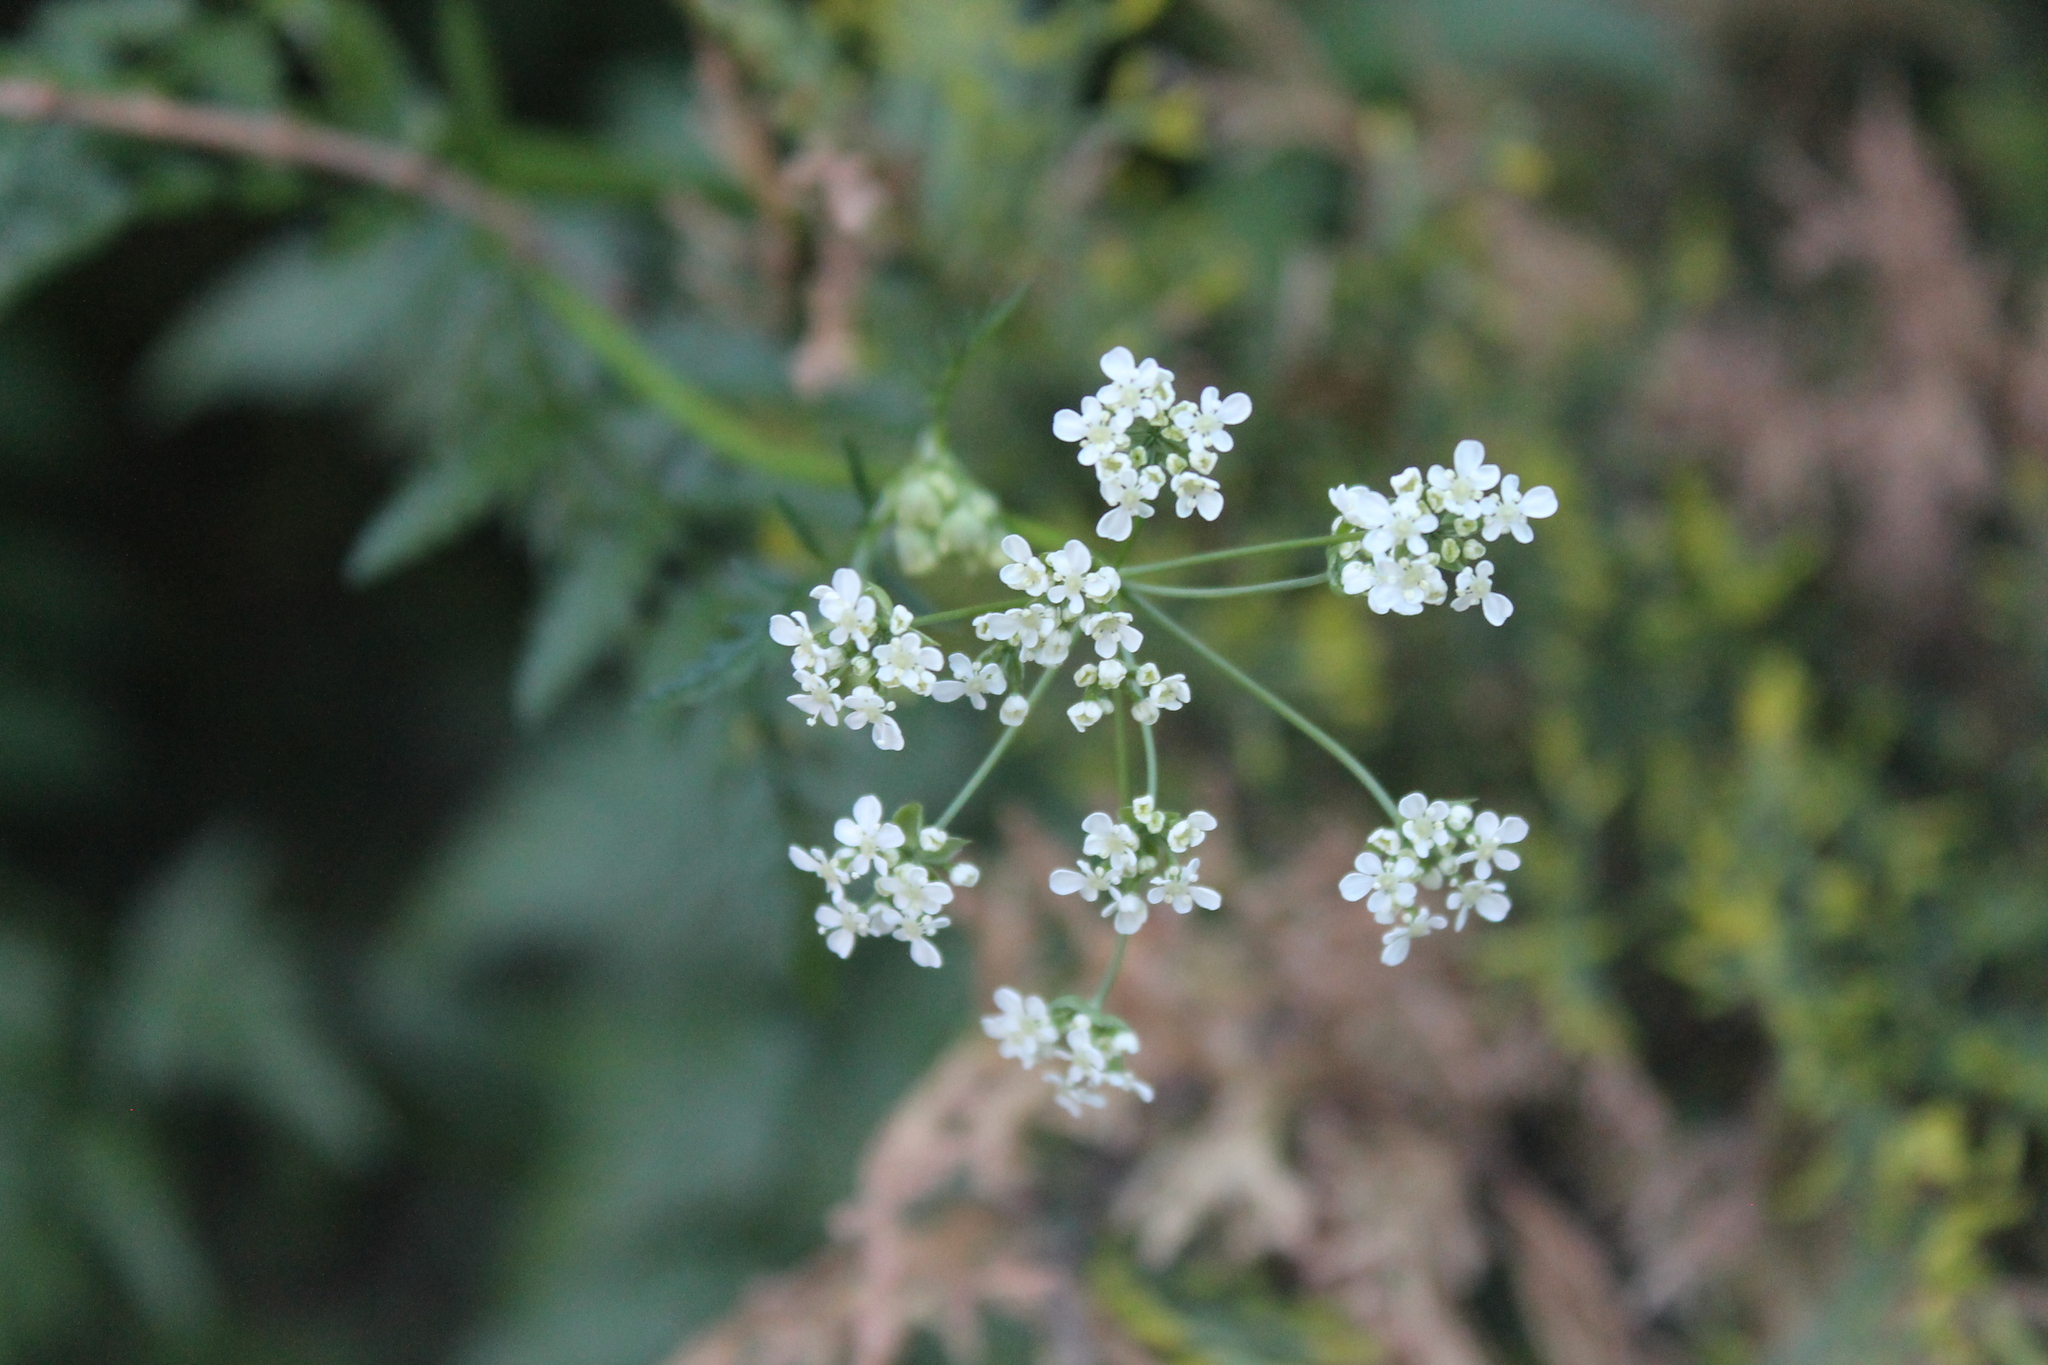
(57, 202)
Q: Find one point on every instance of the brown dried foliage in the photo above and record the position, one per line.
(1909, 435)
(1351, 1119)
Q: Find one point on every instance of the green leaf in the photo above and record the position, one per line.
(128, 1200)
(361, 64)
(439, 503)
(472, 77)
(584, 613)
(723, 666)
(207, 997)
(57, 202)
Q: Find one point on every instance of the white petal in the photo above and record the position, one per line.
(1235, 408)
(784, 630)
(1513, 830)
(1118, 362)
(1396, 951)
(1354, 887)
(1412, 805)
(888, 734)
(923, 954)
(1115, 524)
(847, 584)
(867, 812)
(1497, 608)
(1068, 425)
(1539, 502)
(1506, 859)
(1065, 881)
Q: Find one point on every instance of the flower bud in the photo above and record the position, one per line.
(1015, 709)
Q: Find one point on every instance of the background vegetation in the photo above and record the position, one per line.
(397, 961)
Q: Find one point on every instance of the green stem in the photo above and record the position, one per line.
(1217, 556)
(994, 755)
(1123, 761)
(1279, 707)
(956, 613)
(1151, 764)
(644, 375)
(1241, 589)
(1116, 964)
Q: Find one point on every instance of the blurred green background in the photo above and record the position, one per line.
(383, 977)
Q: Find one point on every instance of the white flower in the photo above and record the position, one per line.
(1424, 822)
(1171, 693)
(1514, 508)
(1486, 843)
(1145, 711)
(832, 870)
(846, 608)
(1087, 883)
(819, 700)
(1460, 487)
(1085, 713)
(1022, 1028)
(1147, 674)
(910, 888)
(1108, 839)
(931, 838)
(1052, 649)
(908, 660)
(1484, 896)
(1194, 493)
(1205, 427)
(1129, 493)
(841, 924)
(1098, 429)
(1177, 887)
(1145, 811)
(870, 838)
(806, 654)
(972, 681)
(1408, 526)
(1110, 672)
(1140, 388)
(1016, 708)
(1112, 631)
(1093, 1062)
(1190, 831)
(1129, 910)
(900, 619)
(1475, 589)
(865, 706)
(1404, 586)
(1390, 884)
(1067, 574)
(1418, 923)
(964, 875)
(922, 951)
(1362, 507)
(1025, 571)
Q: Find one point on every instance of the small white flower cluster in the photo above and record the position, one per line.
(1138, 864)
(940, 513)
(1437, 844)
(863, 640)
(1140, 441)
(1433, 525)
(1083, 1050)
(913, 883)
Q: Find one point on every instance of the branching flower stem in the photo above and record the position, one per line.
(1280, 708)
(1313, 580)
(1218, 556)
(995, 755)
(1116, 964)
(511, 223)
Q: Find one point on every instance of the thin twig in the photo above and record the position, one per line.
(281, 138)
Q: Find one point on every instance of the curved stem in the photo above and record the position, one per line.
(1241, 589)
(1218, 556)
(1116, 964)
(995, 755)
(1279, 707)
(957, 613)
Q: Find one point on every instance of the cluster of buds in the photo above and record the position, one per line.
(913, 874)
(1147, 690)
(1437, 844)
(937, 513)
(1137, 864)
(1140, 441)
(1434, 524)
(1081, 1049)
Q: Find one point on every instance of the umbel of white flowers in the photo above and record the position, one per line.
(1077, 1049)
(1140, 441)
(1434, 524)
(913, 870)
(1437, 844)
